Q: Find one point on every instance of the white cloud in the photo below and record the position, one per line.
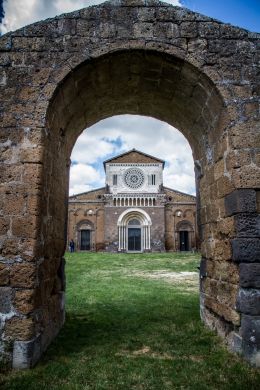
(83, 178)
(20, 13)
(91, 147)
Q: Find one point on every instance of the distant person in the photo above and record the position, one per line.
(72, 246)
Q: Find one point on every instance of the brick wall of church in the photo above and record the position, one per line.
(104, 234)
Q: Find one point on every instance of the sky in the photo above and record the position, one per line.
(118, 134)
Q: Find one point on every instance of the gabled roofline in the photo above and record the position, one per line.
(179, 192)
(87, 192)
(129, 151)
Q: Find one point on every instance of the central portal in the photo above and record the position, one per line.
(134, 231)
(134, 239)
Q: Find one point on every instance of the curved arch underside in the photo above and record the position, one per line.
(132, 213)
(142, 82)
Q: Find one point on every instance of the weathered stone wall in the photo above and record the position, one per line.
(179, 208)
(60, 76)
(174, 215)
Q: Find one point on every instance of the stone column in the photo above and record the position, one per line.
(119, 238)
(144, 238)
(149, 237)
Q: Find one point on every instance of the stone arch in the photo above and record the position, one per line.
(85, 223)
(132, 213)
(58, 77)
(184, 225)
(124, 222)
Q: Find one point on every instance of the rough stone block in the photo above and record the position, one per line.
(250, 332)
(26, 227)
(4, 226)
(246, 250)
(222, 310)
(249, 275)
(23, 275)
(226, 227)
(236, 343)
(258, 196)
(25, 300)
(225, 186)
(224, 292)
(14, 205)
(247, 225)
(19, 329)
(226, 271)
(250, 329)
(4, 274)
(188, 30)
(246, 176)
(248, 301)
(5, 299)
(240, 201)
(26, 353)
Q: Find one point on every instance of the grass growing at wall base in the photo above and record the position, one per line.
(133, 322)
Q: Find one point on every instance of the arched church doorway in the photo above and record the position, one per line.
(134, 231)
(62, 75)
(84, 238)
(185, 236)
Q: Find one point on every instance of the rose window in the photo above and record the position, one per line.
(134, 178)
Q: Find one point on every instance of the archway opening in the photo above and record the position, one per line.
(150, 84)
(137, 82)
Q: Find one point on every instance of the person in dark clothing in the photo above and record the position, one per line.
(72, 246)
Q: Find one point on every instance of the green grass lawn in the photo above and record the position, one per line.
(133, 322)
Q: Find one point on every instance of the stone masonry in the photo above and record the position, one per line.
(144, 57)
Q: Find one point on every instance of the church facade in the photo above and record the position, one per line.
(134, 212)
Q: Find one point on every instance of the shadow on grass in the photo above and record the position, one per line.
(86, 353)
(113, 324)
